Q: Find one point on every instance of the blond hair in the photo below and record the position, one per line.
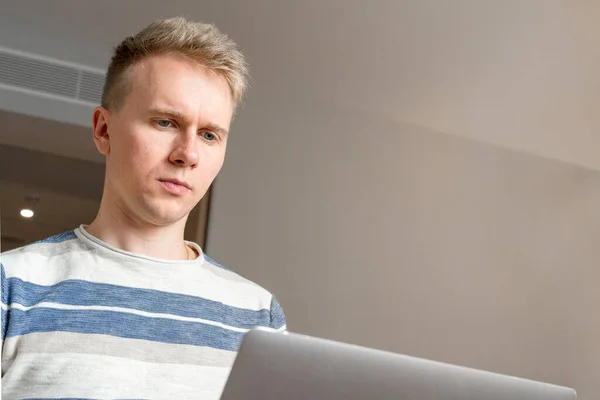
(200, 42)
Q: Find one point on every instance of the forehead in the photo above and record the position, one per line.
(170, 81)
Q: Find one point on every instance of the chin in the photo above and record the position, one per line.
(165, 220)
(164, 215)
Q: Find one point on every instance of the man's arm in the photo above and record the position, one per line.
(4, 295)
(278, 321)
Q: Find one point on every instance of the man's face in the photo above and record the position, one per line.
(167, 142)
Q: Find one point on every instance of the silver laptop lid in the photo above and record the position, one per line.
(286, 366)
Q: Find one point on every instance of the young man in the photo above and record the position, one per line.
(124, 307)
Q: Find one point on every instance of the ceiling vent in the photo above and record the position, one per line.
(29, 72)
(27, 81)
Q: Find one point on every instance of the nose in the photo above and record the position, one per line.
(185, 153)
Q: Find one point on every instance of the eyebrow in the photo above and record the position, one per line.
(180, 116)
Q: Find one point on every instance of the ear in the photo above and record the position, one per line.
(100, 127)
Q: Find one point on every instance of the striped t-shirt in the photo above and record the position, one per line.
(82, 319)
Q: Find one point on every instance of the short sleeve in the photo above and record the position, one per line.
(4, 295)
(278, 321)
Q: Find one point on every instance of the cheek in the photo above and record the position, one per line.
(138, 154)
(218, 162)
(133, 154)
(210, 165)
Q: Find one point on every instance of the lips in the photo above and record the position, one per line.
(177, 182)
(175, 186)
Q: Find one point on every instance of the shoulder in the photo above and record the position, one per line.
(255, 296)
(236, 281)
(45, 250)
(48, 243)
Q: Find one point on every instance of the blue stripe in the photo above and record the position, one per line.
(4, 286)
(61, 237)
(4, 295)
(277, 315)
(84, 293)
(213, 262)
(4, 323)
(123, 325)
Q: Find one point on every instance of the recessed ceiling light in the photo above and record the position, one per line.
(25, 213)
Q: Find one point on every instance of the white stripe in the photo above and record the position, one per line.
(123, 310)
(107, 345)
(97, 376)
(119, 270)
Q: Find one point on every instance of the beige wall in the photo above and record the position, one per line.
(197, 222)
(418, 242)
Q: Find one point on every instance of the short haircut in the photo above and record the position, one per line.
(200, 42)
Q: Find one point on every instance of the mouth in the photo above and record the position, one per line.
(175, 186)
(177, 182)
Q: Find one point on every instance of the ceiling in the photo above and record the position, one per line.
(521, 74)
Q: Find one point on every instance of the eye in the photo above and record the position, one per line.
(164, 123)
(209, 136)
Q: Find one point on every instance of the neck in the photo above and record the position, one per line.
(115, 227)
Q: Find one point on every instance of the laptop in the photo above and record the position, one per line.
(287, 366)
